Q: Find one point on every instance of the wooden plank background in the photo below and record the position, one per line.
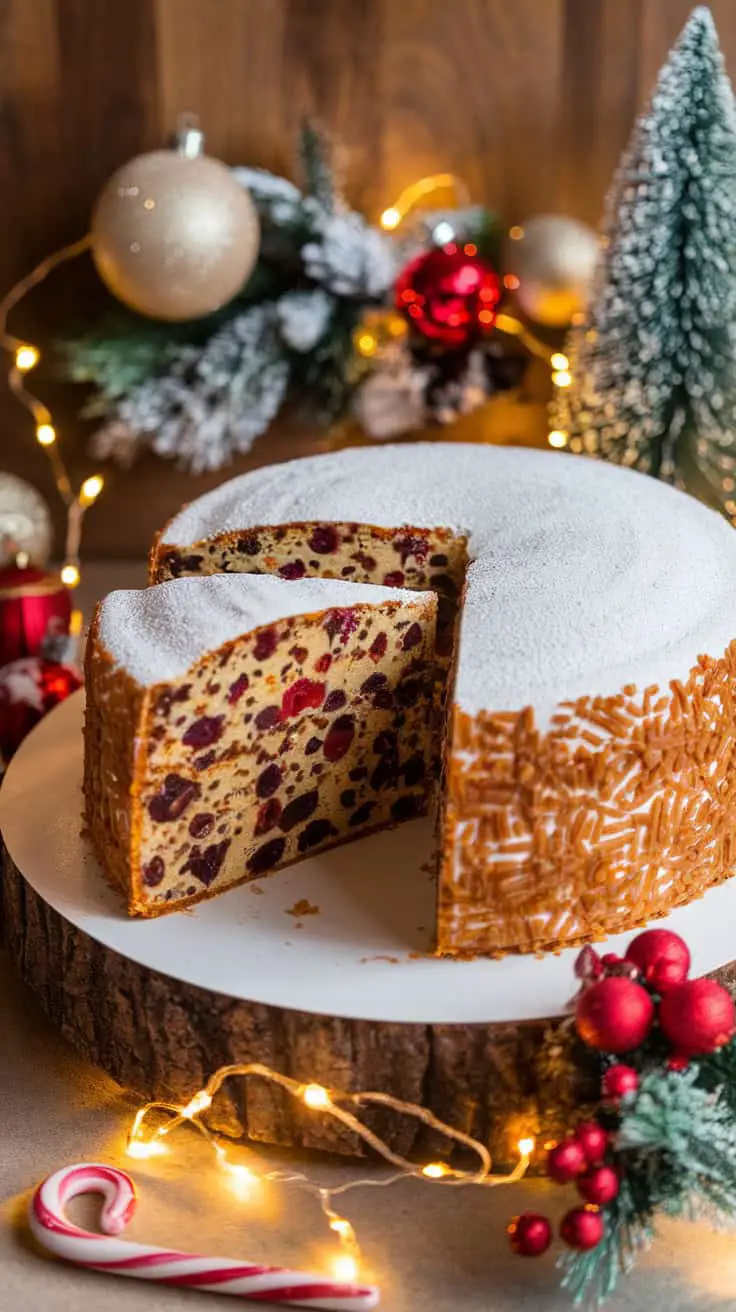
(531, 101)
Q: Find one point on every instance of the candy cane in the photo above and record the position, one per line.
(54, 1231)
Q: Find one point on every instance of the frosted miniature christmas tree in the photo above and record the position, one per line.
(654, 366)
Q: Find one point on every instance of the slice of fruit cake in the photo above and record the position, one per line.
(236, 723)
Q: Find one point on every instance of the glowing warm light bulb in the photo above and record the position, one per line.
(70, 576)
(516, 233)
(511, 282)
(345, 1267)
(367, 344)
(557, 438)
(526, 1146)
(91, 489)
(435, 1170)
(26, 357)
(341, 1227)
(390, 219)
(559, 361)
(144, 1148)
(562, 378)
(199, 1103)
(46, 434)
(315, 1097)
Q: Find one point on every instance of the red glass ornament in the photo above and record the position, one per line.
(662, 957)
(28, 689)
(697, 1017)
(610, 959)
(32, 604)
(582, 1228)
(618, 1081)
(593, 1140)
(599, 1186)
(448, 296)
(614, 1015)
(565, 1161)
(529, 1234)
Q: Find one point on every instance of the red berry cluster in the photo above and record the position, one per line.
(580, 1157)
(621, 998)
(620, 1001)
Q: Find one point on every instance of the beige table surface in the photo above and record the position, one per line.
(432, 1249)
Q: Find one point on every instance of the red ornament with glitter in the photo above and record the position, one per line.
(33, 604)
(697, 1017)
(614, 1015)
(449, 295)
(530, 1234)
(28, 689)
(582, 1228)
(662, 957)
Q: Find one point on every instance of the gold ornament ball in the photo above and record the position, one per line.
(174, 237)
(554, 259)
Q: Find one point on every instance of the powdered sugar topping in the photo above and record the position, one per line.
(585, 576)
(158, 633)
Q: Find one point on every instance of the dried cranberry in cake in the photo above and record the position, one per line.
(268, 718)
(177, 564)
(362, 814)
(374, 682)
(168, 698)
(300, 654)
(411, 546)
(316, 832)
(268, 816)
(153, 872)
(377, 649)
(265, 644)
(312, 746)
(324, 540)
(408, 692)
(298, 809)
(204, 732)
(204, 762)
(405, 808)
(395, 579)
(339, 738)
(323, 663)
(369, 563)
(340, 624)
(347, 798)
(414, 770)
(383, 700)
(412, 637)
(303, 695)
(293, 569)
(268, 781)
(249, 545)
(334, 701)
(266, 857)
(202, 824)
(237, 689)
(438, 560)
(386, 773)
(174, 797)
(206, 866)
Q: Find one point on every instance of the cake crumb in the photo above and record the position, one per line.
(256, 888)
(394, 961)
(303, 908)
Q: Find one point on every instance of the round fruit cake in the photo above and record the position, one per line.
(574, 710)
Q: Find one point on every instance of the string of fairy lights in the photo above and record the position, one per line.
(145, 1141)
(26, 355)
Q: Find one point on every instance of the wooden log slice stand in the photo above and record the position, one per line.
(344, 997)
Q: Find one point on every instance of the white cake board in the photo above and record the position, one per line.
(362, 956)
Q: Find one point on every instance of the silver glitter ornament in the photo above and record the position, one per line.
(26, 531)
